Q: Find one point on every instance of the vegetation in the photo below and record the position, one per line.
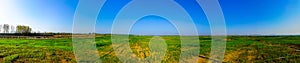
(249, 49)
(23, 29)
(6, 28)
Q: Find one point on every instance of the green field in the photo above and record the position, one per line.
(239, 49)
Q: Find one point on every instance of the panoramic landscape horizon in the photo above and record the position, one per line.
(149, 31)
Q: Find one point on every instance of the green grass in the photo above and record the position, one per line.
(239, 49)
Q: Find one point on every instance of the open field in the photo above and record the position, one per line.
(239, 49)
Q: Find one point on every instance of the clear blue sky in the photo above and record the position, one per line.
(242, 16)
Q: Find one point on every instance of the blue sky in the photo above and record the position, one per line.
(242, 16)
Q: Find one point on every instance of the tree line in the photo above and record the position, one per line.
(6, 28)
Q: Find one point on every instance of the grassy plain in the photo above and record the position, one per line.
(246, 49)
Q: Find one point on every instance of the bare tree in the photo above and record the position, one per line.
(12, 28)
(6, 28)
(0, 28)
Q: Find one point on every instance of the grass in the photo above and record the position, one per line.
(249, 49)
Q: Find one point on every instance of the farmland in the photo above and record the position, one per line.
(247, 49)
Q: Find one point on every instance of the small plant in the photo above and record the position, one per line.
(10, 58)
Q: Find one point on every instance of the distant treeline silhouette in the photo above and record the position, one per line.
(6, 28)
(34, 34)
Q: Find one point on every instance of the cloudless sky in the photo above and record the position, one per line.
(242, 16)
